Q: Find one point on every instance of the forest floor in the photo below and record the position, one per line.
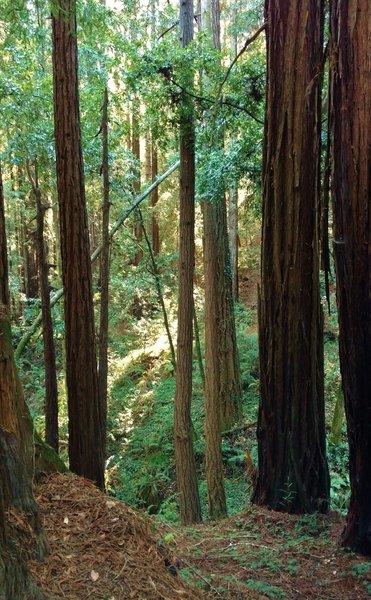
(102, 550)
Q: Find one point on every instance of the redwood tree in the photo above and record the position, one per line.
(222, 374)
(85, 420)
(186, 474)
(351, 188)
(293, 474)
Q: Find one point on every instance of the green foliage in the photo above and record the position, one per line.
(338, 457)
(267, 590)
(311, 525)
(362, 571)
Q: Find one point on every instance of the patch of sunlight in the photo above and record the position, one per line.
(137, 365)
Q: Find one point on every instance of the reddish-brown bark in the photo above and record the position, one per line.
(186, 474)
(85, 421)
(350, 60)
(293, 473)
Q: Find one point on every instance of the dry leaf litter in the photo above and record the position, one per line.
(100, 548)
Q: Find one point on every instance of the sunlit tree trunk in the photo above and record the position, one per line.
(186, 474)
(104, 272)
(293, 473)
(350, 61)
(222, 374)
(85, 419)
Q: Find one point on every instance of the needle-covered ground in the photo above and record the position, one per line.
(102, 550)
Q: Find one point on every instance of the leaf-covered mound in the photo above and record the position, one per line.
(100, 548)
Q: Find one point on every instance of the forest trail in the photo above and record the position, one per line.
(102, 550)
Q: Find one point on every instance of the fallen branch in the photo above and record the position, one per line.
(115, 227)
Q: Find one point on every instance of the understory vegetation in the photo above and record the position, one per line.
(140, 464)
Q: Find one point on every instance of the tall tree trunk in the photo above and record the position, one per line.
(104, 271)
(154, 201)
(351, 168)
(85, 419)
(135, 148)
(186, 473)
(293, 473)
(51, 386)
(222, 374)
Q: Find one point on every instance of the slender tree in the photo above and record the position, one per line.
(293, 473)
(186, 474)
(135, 148)
(154, 200)
(104, 271)
(222, 373)
(85, 419)
(51, 385)
(350, 125)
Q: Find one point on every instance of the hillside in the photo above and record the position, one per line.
(101, 549)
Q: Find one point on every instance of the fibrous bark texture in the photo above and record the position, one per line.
(186, 474)
(222, 372)
(293, 473)
(15, 581)
(85, 425)
(350, 61)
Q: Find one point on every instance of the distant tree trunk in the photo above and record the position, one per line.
(31, 271)
(4, 276)
(85, 419)
(154, 201)
(135, 148)
(233, 188)
(155, 228)
(222, 374)
(233, 237)
(148, 159)
(104, 271)
(350, 60)
(292, 473)
(51, 385)
(186, 473)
